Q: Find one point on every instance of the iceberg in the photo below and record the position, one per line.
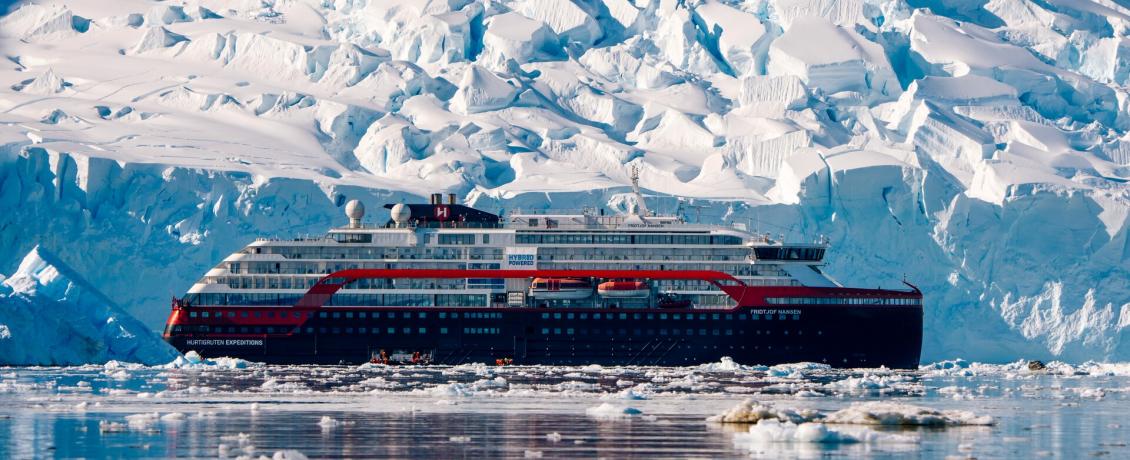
(49, 315)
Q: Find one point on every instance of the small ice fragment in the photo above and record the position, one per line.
(608, 411)
(750, 411)
(142, 421)
(172, 417)
(328, 422)
(770, 431)
(193, 357)
(887, 413)
(460, 439)
(533, 454)
(288, 455)
(106, 426)
(553, 437)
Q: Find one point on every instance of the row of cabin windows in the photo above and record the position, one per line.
(486, 315)
(444, 330)
(343, 314)
(307, 330)
(841, 301)
(377, 300)
(601, 239)
(674, 316)
(461, 238)
(376, 252)
(622, 332)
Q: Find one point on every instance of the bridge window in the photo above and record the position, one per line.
(457, 238)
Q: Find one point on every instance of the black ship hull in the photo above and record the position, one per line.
(838, 335)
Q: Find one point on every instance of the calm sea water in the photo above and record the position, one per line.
(541, 412)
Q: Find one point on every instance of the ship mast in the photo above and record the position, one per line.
(641, 208)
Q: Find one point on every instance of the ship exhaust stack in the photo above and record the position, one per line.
(355, 211)
(451, 199)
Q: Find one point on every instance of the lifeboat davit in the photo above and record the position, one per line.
(560, 288)
(623, 289)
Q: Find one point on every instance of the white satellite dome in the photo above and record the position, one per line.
(400, 213)
(355, 210)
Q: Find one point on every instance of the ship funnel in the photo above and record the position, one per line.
(437, 198)
(355, 211)
(451, 199)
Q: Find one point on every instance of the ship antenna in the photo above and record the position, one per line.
(641, 207)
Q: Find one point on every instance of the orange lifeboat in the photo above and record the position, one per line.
(623, 289)
(560, 288)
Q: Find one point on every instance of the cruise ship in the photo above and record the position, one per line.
(444, 283)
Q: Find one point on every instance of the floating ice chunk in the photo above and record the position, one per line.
(452, 390)
(193, 360)
(627, 394)
(533, 453)
(607, 411)
(173, 417)
(773, 431)
(142, 422)
(289, 454)
(275, 385)
(553, 437)
(481, 91)
(750, 411)
(727, 364)
(328, 422)
(459, 439)
(873, 382)
(797, 370)
(888, 413)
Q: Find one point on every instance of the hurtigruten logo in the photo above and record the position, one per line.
(224, 342)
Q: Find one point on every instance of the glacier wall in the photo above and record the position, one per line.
(978, 152)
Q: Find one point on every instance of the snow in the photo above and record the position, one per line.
(481, 90)
(52, 316)
(153, 139)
